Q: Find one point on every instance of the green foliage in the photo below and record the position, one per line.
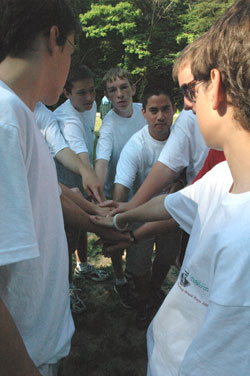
(200, 17)
(142, 36)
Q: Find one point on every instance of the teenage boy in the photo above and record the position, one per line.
(76, 118)
(35, 319)
(137, 158)
(211, 298)
(118, 126)
(37, 40)
(185, 148)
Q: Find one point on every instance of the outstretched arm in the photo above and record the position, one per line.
(152, 210)
(83, 204)
(158, 177)
(101, 170)
(74, 215)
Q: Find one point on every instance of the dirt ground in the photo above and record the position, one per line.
(106, 341)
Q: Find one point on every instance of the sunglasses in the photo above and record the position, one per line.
(188, 90)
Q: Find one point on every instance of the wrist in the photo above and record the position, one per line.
(118, 226)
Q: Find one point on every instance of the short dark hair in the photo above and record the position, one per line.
(115, 73)
(23, 20)
(149, 91)
(77, 73)
(227, 47)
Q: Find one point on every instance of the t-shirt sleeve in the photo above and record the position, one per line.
(105, 142)
(54, 138)
(183, 205)
(17, 234)
(74, 135)
(128, 164)
(176, 152)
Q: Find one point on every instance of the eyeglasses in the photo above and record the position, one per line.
(188, 90)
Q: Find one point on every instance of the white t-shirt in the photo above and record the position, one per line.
(137, 158)
(78, 128)
(115, 131)
(32, 236)
(202, 328)
(49, 128)
(185, 146)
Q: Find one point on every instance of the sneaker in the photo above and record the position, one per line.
(76, 304)
(143, 317)
(125, 295)
(89, 271)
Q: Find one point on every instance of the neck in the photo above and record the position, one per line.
(21, 76)
(126, 113)
(237, 153)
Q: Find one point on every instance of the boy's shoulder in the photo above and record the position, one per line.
(12, 109)
(65, 107)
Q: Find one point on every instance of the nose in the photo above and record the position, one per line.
(89, 96)
(161, 116)
(119, 93)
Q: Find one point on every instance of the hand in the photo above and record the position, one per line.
(106, 221)
(116, 207)
(112, 236)
(110, 248)
(103, 212)
(92, 186)
(109, 204)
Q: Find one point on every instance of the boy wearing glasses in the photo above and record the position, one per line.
(202, 328)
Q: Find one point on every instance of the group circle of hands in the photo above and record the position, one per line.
(117, 239)
(119, 236)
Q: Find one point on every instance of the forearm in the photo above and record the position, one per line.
(150, 229)
(120, 193)
(79, 200)
(101, 170)
(70, 160)
(152, 210)
(14, 359)
(158, 177)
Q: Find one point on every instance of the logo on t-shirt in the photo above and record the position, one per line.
(184, 278)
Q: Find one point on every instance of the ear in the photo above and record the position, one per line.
(218, 93)
(52, 40)
(133, 89)
(143, 111)
(174, 108)
(66, 93)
